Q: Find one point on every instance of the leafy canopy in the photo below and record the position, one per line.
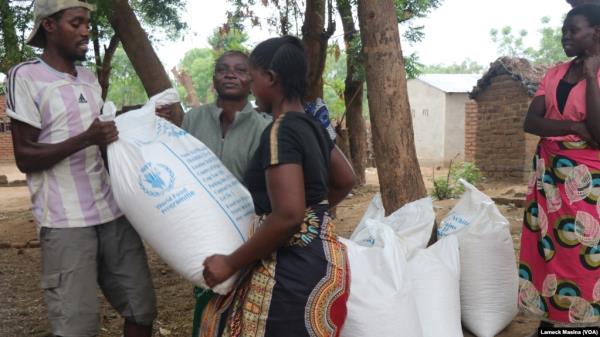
(125, 89)
(549, 50)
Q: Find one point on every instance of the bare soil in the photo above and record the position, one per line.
(23, 311)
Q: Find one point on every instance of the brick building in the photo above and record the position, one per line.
(494, 136)
(6, 146)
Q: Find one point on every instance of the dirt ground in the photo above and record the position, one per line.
(22, 308)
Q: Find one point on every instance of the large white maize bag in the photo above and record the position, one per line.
(488, 279)
(381, 301)
(412, 223)
(176, 193)
(435, 275)
(375, 211)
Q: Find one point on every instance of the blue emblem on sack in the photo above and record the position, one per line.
(156, 179)
(368, 242)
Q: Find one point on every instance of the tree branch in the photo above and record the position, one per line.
(96, 42)
(330, 21)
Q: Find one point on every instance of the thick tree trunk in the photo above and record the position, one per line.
(397, 165)
(353, 97)
(138, 48)
(574, 3)
(357, 132)
(315, 40)
(9, 35)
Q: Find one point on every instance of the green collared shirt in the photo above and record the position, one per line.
(241, 140)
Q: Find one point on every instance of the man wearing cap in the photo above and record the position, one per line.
(86, 241)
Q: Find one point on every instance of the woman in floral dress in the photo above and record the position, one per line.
(560, 252)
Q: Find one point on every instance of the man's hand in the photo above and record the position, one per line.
(168, 112)
(102, 133)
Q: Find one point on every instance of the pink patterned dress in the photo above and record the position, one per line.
(559, 266)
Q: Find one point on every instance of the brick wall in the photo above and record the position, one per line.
(6, 146)
(470, 130)
(494, 136)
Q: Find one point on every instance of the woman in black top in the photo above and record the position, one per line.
(298, 280)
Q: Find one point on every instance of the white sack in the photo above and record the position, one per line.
(435, 275)
(412, 223)
(375, 211)
(176, 193)
(489, 281)
(381, 301)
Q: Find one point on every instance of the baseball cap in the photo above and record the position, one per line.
(45, 8)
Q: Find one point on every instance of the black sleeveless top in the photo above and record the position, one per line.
(562, 93)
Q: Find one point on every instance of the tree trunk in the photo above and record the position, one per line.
(9, 36)
(96, 43)
(574, 3)
(391, 124)
(353, 96)
(315, 38)
(104, 62)
(139, 50)
(342, 140)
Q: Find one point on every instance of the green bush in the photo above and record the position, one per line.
(469, 172)
(441, 189)
(449, 187)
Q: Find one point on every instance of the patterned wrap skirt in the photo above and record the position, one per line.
(559, 269)
(299, 290)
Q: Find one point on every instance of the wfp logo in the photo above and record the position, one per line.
(156, 179)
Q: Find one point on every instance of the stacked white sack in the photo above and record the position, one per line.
(435, 275)
(488, 279)
(412, 223)
(381, 301)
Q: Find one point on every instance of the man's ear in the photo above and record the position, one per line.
(49, 24)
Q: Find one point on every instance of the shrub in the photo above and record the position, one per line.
(449, 187)
(441, 189)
